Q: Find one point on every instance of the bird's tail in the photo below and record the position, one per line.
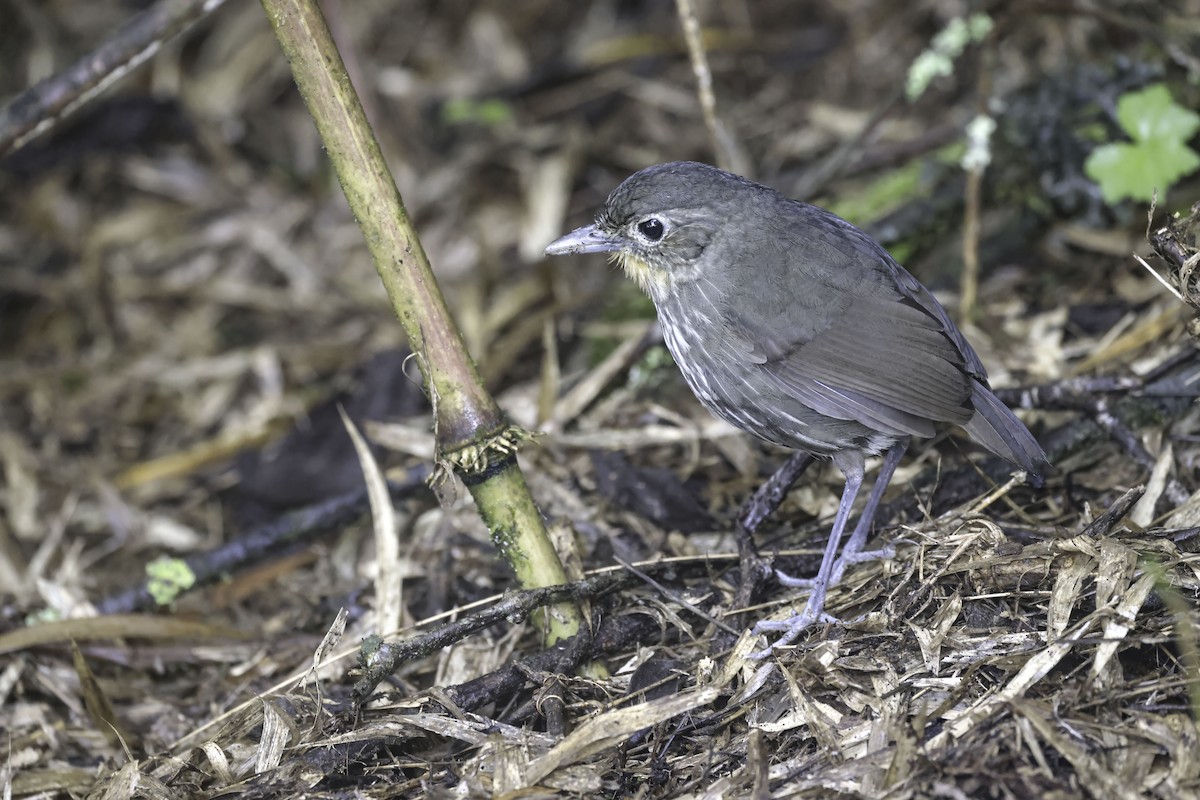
(998, 429)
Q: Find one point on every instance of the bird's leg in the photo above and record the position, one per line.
(854, 553)
(851, 464)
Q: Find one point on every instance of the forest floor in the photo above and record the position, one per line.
(186, 302)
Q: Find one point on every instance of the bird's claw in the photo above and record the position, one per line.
(796, 623)
(792, 627)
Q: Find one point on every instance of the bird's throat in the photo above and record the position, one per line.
(647, 278)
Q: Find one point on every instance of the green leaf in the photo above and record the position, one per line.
(1159, 154)
(1137, 171)
(1151, 115)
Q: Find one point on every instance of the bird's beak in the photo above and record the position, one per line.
(588, 239)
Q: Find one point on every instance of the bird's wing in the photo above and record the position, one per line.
(888, 356)
(886, 364)
(913, 290)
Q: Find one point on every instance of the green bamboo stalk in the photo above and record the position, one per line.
(473, 436)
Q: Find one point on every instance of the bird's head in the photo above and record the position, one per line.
(659, 223)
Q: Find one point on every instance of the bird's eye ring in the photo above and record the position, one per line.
(652, 228)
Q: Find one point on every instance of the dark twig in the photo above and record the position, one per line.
(764, 502)
(267, 541)
(1167, 244)
(1169, 364)
(1175, 243)
(613, 635)
(771, 494)
(45, 105)
(562, 659)
(1132, 444)
(1090, 395)
(1067, 394)
(1103, 524)
(886, 155)
(551, 705)
(380, 659)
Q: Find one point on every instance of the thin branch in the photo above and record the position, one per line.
(380, 659)
(729, 155)
(473, 436)
(44, 106)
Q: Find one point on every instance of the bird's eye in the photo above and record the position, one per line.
(652, 228)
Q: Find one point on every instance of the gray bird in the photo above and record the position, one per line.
(794, 325)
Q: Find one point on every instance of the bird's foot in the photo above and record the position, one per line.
(792, 627)
(793, 582)
(814, 610)
(882, 554)
(839, 569)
